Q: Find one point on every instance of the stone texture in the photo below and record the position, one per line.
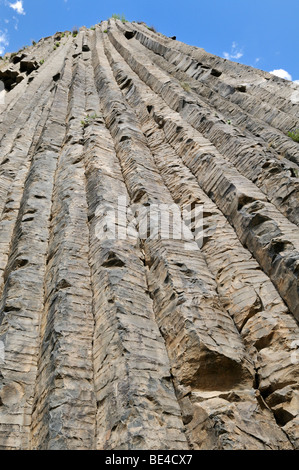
(142, 342)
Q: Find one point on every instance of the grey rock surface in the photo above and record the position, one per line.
(113, 336)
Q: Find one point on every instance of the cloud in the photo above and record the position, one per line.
(16, 22)
(235, 53)
(282, 74)
(18, 7)
(296, 81)
(3, 41)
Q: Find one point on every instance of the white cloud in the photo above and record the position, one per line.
(282, 74)
(3, 41)
(16, 22)
(18, 7)
(235, 53)
(296, 81)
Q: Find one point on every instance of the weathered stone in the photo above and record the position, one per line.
(114, 334)
(28, 66)
(15, 59)
(10, 78)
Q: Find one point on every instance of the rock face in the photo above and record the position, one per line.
(116, 335)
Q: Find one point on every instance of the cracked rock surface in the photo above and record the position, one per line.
(117, 336)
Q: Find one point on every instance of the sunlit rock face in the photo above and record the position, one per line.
(149, 247)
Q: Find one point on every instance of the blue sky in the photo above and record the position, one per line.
(260, 33)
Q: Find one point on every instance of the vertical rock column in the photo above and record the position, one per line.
(23, 294)
(64, 411)
(136, 403)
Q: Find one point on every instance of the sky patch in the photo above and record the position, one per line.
(267, 40)
(4, 42)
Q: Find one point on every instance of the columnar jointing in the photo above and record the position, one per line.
(149, 247)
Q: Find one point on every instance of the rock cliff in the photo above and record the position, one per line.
(113, 336)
